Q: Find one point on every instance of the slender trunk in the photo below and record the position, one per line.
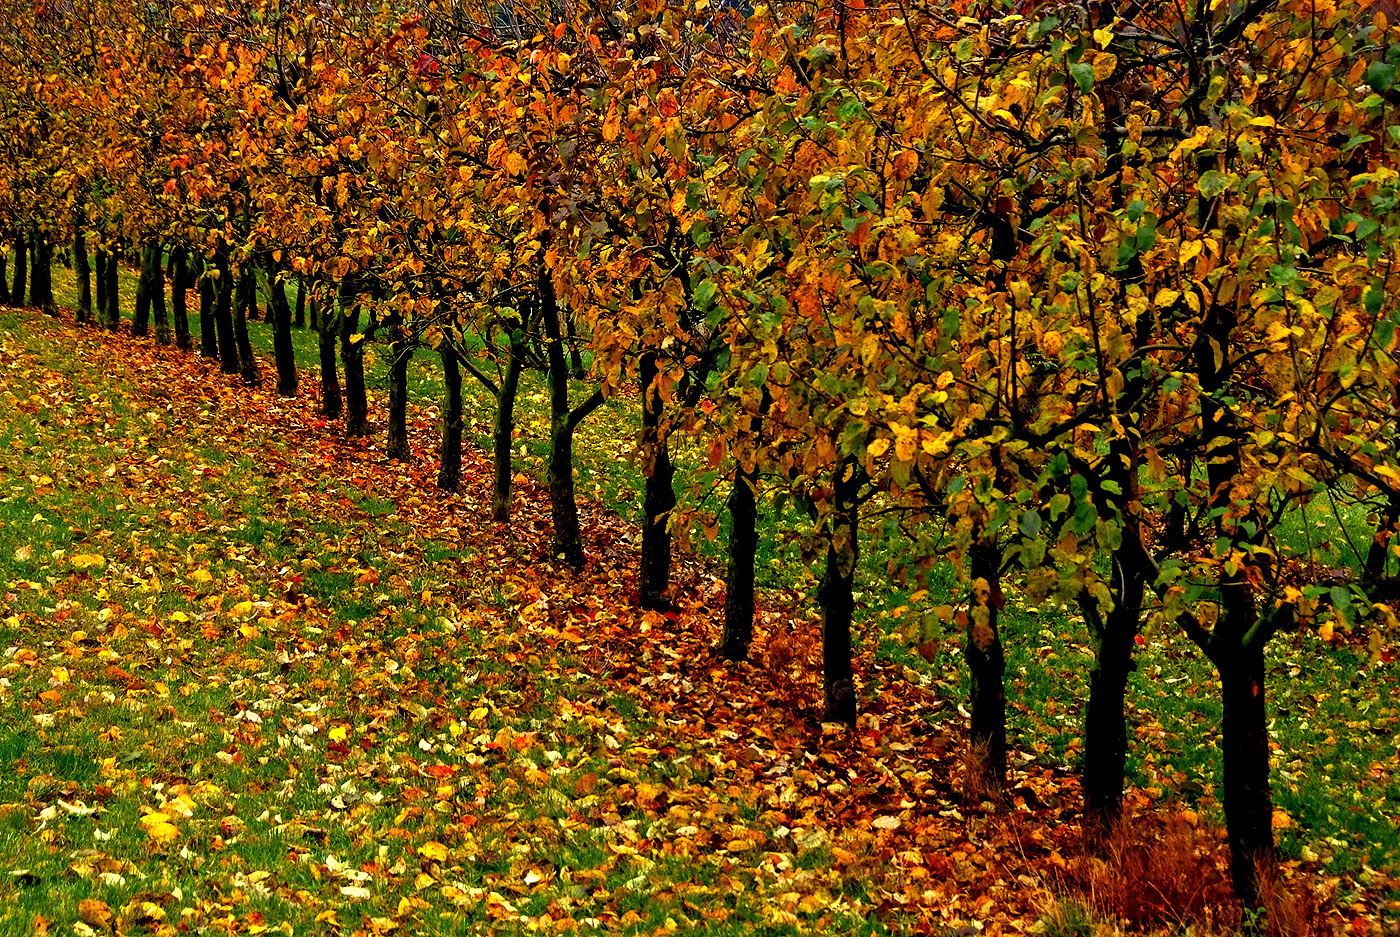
(299, 319)
(400, 353)
(1105, 725)
(987, 664)
(659, 497)
(223, 313)
(248, 293)
(836, 596)
(179, 296)
(114, 298)
(41, 274)
(17, 291)
(739, 574)
(1248, 800)
(208, 318)
(1378, 554)
(567, 542)
(82, 272)
(283, 352)
(450, 461)
(247, 301)
(100, 284)
(141, 316)
(503, 435)
(352, 359)
(154, 254)
(326, 338)
(4, 279)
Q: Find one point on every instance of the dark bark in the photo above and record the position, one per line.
(223, 312)
(208, 319)
(450, 459)
(837, 597)
(100, 284)
(1247, 797)
(326, 338)
(1105, 723)
(41, 273)
(986, 662)
(400, 354)
(82, 272)
(659, 496)
(567, 542)
(283, 352)
(739, 572)
(153, 256)
(299, 318)
(352, 359)
(1378, 554)
(141, 316)
(4, 279)
(179, 296)
(503, 434)
(247, 301)
(113, 278)
(20, 287)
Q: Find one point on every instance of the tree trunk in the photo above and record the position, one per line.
(247, 302)
(1247, 797)
(17, 291)
(141, 316)
(154, 254)
(114, 296)
(100, 258)
(739, 573)
(1105, 725)
(503, 434)
(567, 542)
(450, 461)
(299, 320)
(283, 352)
(837, 599)
(400, 354)
(179, 296)
(82, 272)
(352, 359)
(223, 313)
(208, 318)
(4, 279)
(659, 497)
(987, 664)
(326, 338)
(41, 274)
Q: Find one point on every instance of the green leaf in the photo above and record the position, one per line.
(1380, 75)
(705, 294)
(1213, 182)
(1083, 75)
(1030, 524)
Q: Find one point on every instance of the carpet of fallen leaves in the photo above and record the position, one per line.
(492, 742)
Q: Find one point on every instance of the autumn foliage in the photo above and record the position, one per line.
(1088, 305)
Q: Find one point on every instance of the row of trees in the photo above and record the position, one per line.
(1092, 300)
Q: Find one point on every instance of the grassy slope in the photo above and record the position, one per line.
(180, 474)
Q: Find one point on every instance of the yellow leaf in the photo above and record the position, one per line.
(201, 575)
(515, 163)
(88, 561)
(178, 616)
(877, 448)
(242, 608)
(433, 850)
(60, 675)
(338, 733)
(479, 714)
(162, 832)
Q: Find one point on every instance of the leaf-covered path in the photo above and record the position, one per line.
(259, 679)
